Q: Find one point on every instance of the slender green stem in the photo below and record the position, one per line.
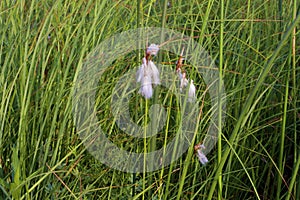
(284, 118)
(294, 177)
(145, 146)
(220, 110)
(295, 99)
(295, 84)
(139, 23)
(205, 20)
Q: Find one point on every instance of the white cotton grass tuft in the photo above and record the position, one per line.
(146, 87)
(184, 83)
(183, 80)
(154, 73)
(140, 74)
(152, 49)
(192, 92)
(179, 73)
(201, 157)
(147, 75)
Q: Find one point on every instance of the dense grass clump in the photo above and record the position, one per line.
(255, 45)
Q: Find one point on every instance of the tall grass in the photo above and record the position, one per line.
(43, 45)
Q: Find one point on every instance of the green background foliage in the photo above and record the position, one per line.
(255, 45)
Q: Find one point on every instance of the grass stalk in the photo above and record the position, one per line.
(220, 110)
(281, 162)
(294, 81)
(139, 20)
(145, 147)
(293, 179)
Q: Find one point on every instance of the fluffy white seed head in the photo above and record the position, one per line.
(201, 157)
(140, 74)
(183, 81)
(147, 74)
(154, 73)
(152, 49)
(146, 87)
(179, 73)
(192, 92)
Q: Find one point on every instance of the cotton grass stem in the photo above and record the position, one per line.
(145, 147)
